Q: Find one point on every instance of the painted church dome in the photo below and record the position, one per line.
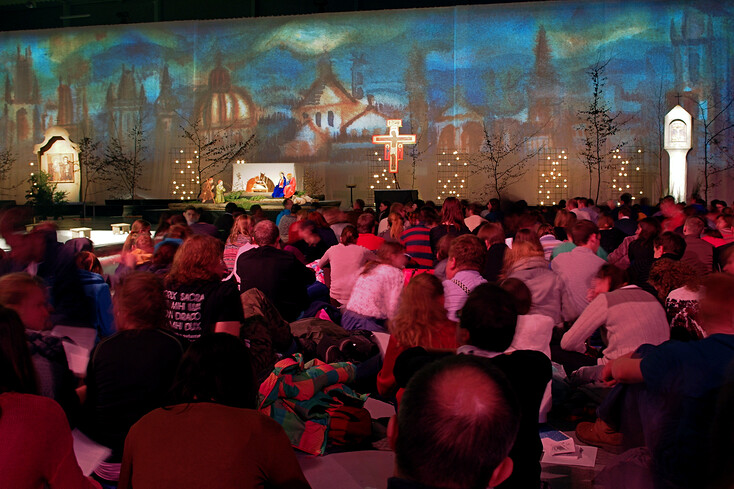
(223, 105)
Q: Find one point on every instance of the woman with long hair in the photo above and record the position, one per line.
(397, 226)
(642, 250)
(421, 320)
(130, 372)
(240, 235)
(198, 301)
(376, 292)
(345, 261)
(452, 222)
(323, 229)
(526, 261)
(563, 223)
(215, 387)
(37, 447)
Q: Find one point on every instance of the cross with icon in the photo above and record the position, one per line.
(394, 142)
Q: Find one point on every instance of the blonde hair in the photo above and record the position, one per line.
(420, 313)
(396, 225)
(519, 251)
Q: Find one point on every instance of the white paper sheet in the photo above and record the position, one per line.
(89, 454)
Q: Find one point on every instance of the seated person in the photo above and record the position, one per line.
(528, 372)
(276, 273)
(454, 428)
(376, 292)
(665, 398)
(629, 315)
(345, 261)
(214, 387)
(420, 321)
(130, 372)
(37, 447)
(26, 295)
(466, 258)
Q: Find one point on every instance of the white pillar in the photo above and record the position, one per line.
(677, 144)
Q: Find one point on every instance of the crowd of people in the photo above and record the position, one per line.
(484, 307)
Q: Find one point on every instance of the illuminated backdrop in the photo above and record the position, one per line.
(315, 88)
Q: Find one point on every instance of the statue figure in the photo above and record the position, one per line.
(219, 199)
(206, 191)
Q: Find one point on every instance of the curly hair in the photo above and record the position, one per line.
(242, 226)
(196, 260)
(667, 275)
(397, 225)
(420, 312)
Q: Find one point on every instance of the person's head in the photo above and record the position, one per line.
(396, 224)
(693, 226)
(309, 232)
(625, 199)
(230, 208)
(242, 227)
(647, 229)
(318, 218)
(365, 223)
(216, 368)
(546, 229)
(349, 235)
(140, 226)
(624, 212)
(164, 253)
(143, 243)
(475, 209)
(605, 222)
(527, 235)
(520, 251)
(451, 212)
(491, 233)
(607, 279)
(668, 207)
(585, 233)
(572, 204)
(389, 253)
(179, 231)
(265, 233)
(716, 309)
(465, 253)
(358, 205)
(457, 421)
(428, 216)
(520, 293)
(86, 260)
(669, 243)
(564, 219)
(199, 259)
(139, 302)
(420, 313)
(26, 295)
(191, 214)
(667, 275)
(16, 368)
(724, 223)
(384, 205)
(492, 332)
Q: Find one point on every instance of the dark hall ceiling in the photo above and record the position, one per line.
(47, 14)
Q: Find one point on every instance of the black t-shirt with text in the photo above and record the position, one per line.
(194, 309)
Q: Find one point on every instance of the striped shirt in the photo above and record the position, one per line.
(417, 242)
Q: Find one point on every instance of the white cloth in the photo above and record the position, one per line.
(377, 293)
